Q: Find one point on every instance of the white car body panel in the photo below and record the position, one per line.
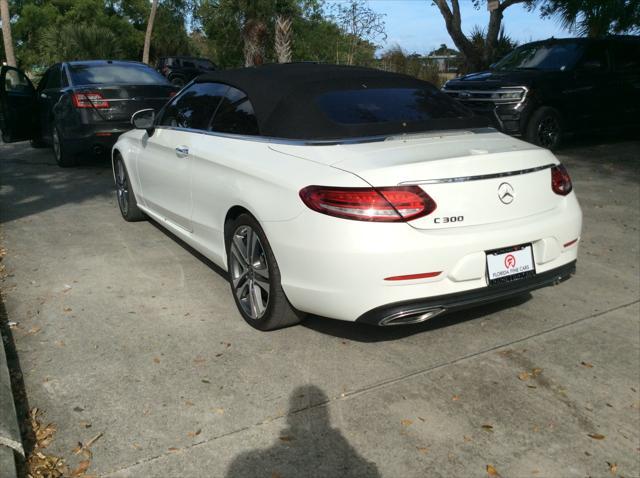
(336, 267)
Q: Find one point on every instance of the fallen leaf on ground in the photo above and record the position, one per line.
(194, 434)
(67, 309)
(523, 376)
(219, 411)
(34, 330)
(613, 468)
(422, 449)
(199, 360)
(275, 474)
(406, 422)
(189, 403)
(285, 438)
(586, 364)
(487, 427)
(226, 344)
(466, 438)
(173, 449)
(491, 471)
(156, 359)
(136, 446)
(455, 398)
(81, 468)
(596, 436)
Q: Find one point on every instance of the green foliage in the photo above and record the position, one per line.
(504, 44)
(397, 60)
(595, 17)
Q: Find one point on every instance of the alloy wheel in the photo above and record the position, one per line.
(122, 188)
(548, 131)
(249, 272)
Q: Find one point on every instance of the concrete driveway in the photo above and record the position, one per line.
(121, 329)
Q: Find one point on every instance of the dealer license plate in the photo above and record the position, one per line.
(512, 263)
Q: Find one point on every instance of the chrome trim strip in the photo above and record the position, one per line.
(323, 142)
(479, 177)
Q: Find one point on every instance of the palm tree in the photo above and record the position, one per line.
(6, 32)
(147, 36)
(283, 39)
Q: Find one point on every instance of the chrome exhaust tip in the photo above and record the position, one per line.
(411, 316)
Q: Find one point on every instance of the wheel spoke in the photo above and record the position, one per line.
(240, 291)
(237, 254)
(264, 285)
(240, 249)
(250, 239)
(239, 278)
(257, 305)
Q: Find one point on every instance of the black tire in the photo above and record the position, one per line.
(125, 196)
(63, 158)
(276, 313)
(545, 128)
(178, 81)
(37, 143)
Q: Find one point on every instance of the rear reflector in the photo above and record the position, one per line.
(387, 204)
(89, 100)
(424, 275)
(103, 134)
(571, 243)
(560, 180)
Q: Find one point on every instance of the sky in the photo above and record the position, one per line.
(417, 26)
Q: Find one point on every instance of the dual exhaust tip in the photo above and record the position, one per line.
(412, 316)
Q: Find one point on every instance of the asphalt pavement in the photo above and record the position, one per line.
(122, 330)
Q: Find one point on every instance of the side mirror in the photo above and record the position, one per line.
(144, 119)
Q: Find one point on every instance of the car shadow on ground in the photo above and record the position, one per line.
(31, 182)
(364, 332)
(308, 447)
(369, 333)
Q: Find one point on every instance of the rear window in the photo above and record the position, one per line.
(134, 74)
(389, 105)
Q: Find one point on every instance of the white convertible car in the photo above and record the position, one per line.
(348, 193)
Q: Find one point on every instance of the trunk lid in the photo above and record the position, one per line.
(124, 100)
(465, 173)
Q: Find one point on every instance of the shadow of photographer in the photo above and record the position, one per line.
(308, 447)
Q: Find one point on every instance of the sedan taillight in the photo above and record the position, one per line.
(387, 204)
(560, 180)
(89, 100)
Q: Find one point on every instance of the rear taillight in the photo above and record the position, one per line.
(89, 100)
(387, 204)
(560, 180)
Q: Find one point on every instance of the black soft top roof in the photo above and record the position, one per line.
(283, 98)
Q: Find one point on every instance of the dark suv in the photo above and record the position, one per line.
(179, 70)
(545, 89)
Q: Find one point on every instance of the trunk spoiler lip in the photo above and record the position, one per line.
(479, 177)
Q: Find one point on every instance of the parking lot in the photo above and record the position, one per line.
(121, 329)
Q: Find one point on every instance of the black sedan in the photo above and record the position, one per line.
(78, 106)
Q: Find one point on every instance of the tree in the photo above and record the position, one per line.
(359, 23)
(5, 16)
(477, 59)
(595, 17)
(147, 36)
(284, 36)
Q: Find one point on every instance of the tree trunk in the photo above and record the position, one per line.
(477, 59)
(6, 33)
(147, 36)
(283, 42)
(254, 35)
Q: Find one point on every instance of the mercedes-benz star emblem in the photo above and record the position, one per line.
(506, 193)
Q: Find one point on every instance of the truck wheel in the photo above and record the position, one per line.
(545, 128)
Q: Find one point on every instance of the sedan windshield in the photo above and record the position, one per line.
(110, 73)
(542, 56)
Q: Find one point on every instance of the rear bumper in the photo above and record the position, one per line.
(420, 310)
(94, 137)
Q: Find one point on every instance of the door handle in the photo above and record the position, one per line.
(182, 151)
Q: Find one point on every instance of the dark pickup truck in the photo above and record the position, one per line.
(546, 89)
